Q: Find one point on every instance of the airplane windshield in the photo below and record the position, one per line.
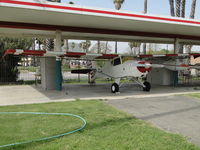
(117, 61)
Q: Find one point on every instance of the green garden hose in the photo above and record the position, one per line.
(46, 138)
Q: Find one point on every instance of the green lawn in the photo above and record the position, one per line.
(27, 69)
(197, 95)
(107, 129)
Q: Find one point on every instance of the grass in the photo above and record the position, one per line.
(27, 69)
(20, 82)
(107, 129)
(197, 95)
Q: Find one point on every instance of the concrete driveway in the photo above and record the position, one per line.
(25, 94)
(177, 114)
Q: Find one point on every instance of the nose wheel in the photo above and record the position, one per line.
(147, 87)
(114, 88)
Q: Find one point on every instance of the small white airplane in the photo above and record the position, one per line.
(135, 70)
(116, 66)
(118, 69)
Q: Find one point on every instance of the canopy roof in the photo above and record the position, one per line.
(41, 18)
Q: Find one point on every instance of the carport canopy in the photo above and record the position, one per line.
(33, 18)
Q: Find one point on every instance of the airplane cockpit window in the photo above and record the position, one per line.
(117, 61)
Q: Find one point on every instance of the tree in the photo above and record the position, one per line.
(180, 12)
(192, 16)
(49, 43)
(171, 3)
(183, 8)
(134, 47)
(178, 8)
(71, 2)
(145, 11)
(104, 48)
(85, 45)
(73, 45)
(193, 7)
(145, 6)
(160, 52)
(118, 4)
(8, 64)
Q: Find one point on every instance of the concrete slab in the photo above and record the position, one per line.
(24, 94)
(176, 114)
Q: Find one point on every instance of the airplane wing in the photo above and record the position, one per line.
(70, 55)
(169, 55)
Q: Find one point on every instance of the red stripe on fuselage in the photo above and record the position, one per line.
(143, 69)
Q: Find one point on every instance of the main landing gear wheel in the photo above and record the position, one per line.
(147, 87)
(114, 88)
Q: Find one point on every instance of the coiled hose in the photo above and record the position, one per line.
(46, 138)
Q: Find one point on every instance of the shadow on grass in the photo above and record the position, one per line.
(88, 127)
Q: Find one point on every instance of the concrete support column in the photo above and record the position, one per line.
(51, 68)
(48, 65)
(177, 46)
(98, 47)
(58, 41)
(58, 71)
(116, 47)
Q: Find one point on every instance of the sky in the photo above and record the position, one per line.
(155, 7)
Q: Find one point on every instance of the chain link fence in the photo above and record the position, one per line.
(19, 70)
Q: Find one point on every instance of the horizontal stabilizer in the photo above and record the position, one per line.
(81, 71)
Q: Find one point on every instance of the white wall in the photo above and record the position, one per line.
(161, 77)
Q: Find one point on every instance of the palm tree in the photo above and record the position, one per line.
(180, 12)
(118, 4)
(145, 6)
(171, 3)
(85, 45)
(183, 8)
(193, 7)
(49, 43)
(134, 46)
(192, 16)
(178, 8)
(145, 11)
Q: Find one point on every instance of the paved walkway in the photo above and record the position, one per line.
(177, 114)
(25, 94)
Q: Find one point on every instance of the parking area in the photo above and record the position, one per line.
(26, 94)
(177, 114)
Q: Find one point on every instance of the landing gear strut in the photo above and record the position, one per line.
(147, 87)
(114, 88)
